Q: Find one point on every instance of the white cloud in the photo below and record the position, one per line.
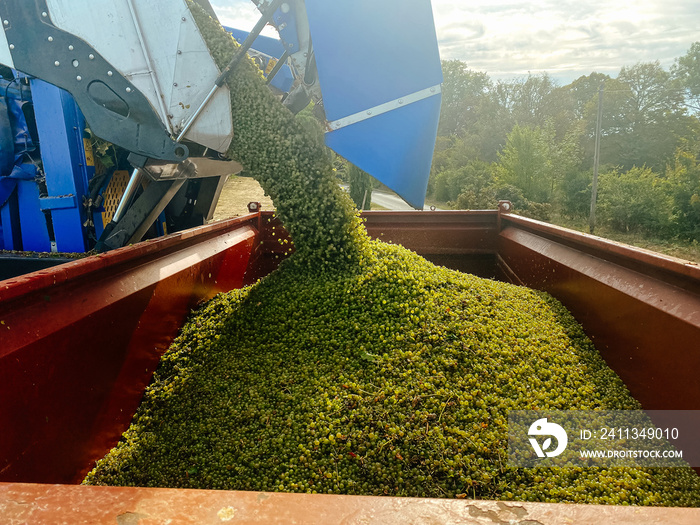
(565, 38)
(239, 14)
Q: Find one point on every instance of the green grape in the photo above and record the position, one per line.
(363, 368)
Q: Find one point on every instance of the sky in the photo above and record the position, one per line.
(563, 38)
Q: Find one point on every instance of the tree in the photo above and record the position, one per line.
(360, 187)
(532, 98)
(492, 123)
(687, 71)
(584, 92)
(575, 199)
(473, 176)
(615, 124)
(462, 91)
(654, 93)
(525, 163)
(644, 117)
(529, 162)
(654, 116)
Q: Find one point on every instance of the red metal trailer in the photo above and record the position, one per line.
(79, 342)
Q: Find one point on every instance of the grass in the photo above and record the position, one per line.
(689, 251)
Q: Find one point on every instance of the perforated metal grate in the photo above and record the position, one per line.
(113, 193)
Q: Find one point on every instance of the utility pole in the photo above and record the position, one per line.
(596, 159)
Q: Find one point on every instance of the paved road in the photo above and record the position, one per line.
(387, 200)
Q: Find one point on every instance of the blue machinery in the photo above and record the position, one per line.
(373, 68)
(34, 199)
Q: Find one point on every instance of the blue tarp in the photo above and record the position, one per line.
(370, 53)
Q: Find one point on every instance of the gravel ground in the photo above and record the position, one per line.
(235, 196)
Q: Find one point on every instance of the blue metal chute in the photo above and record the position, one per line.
(379, 72)
(396, 147)
(270, 49)
(376, 66)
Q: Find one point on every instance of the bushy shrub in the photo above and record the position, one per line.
(684, 189)
(634, 201)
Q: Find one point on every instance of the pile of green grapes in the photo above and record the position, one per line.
(358, 367)
(289, 162)
(393, 377)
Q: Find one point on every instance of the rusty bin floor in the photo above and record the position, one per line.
(76, 505)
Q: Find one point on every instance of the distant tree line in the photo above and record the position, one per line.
(532, 142)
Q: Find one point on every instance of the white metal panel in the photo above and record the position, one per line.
(5, 56)
(383, 108)
(192, 82)
(135, 34)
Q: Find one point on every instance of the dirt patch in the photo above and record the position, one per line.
(235, 196)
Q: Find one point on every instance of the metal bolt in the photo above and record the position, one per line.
(91, 56)
(109, 73)
(12, 46)
(369, 112)
(57, 63)
(76, 63)
(400, 101)
(174, 84)
(78, 78)
(179, 52)
(50, 39)
(6, 22)
(184, 19)
(70, 47)
(128, 90)
(44, 14)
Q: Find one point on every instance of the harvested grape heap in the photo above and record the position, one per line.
(358, 367)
